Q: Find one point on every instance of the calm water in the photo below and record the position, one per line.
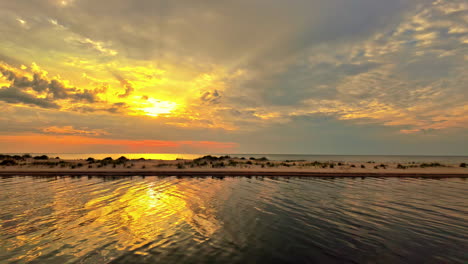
(233, 220)
(350, 158)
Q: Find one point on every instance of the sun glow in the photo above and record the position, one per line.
(153, 107)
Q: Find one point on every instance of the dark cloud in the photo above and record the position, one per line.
(86, 95)
(128, 86)
(15, 96)
(212, 97)
(55, 90)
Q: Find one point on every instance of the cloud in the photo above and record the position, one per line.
(69, 130)
(243, 66)
(39, 83)
(15, 96)
(212, 97)
(89, 43)
(66, 143)
(128, 87)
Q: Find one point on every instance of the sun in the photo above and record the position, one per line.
(153, 107)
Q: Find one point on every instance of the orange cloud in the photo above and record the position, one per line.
(37, 143)
(69, 130)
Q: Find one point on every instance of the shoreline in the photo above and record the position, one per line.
(222, 166)
(231, 173)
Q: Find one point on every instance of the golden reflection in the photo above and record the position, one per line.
(127, 216)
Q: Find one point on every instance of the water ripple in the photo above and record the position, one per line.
(232, 220)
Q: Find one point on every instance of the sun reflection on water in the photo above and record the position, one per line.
(130, 215)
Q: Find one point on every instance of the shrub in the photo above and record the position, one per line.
(433, 164)
(90, 160)
(8, 163)
(363, 167)
(43, 157)
(463, 165)
(122, 158)
(401, 166)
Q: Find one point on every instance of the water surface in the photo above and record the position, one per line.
(233, 220)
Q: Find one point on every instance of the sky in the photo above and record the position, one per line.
(246, 76)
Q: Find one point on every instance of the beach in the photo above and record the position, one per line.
(221, 166)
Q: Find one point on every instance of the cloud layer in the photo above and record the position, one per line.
(232, 71)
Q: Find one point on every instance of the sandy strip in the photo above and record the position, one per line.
(231, 173)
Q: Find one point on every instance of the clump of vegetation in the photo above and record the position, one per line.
(399, 166)
(43, 157)
(319, 164)
(45, 163)
(90, 160)
(8, 163)
(123, 158)
(463, 165)
(432, 164)
(362, 166)
(180, 166)
(211, 158)
(10, 157)
(353, 166)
